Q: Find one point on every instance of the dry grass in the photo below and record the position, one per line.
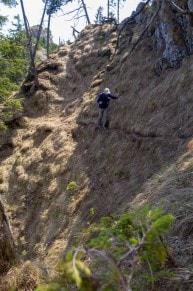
(184, 229)
(145, 157)
(24, 278)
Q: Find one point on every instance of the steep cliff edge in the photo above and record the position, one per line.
(146, 156)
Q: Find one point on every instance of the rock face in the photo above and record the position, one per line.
(139, 19)
(172, 30)
(7, 248)
(174, 34)
(190, 5)
(173, 52)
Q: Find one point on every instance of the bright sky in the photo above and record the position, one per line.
(61, 25)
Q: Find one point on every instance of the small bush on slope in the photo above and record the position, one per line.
(120, 252)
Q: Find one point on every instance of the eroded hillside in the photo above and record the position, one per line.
(146, 156)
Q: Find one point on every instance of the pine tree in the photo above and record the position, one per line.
(13, 63)
(99, 15)
(53, 7)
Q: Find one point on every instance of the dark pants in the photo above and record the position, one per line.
(103, 117)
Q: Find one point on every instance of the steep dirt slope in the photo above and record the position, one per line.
(37, 161)
(145, 156)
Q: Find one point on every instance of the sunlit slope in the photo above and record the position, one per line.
(144, 157)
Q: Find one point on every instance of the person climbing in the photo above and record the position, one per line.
(103, 102)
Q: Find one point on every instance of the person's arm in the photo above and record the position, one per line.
(113, 97)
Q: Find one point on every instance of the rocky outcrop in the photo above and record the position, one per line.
(171, 30)
(190, 5)
(173, 34)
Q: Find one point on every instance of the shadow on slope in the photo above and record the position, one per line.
(146, 155)
(132, 163)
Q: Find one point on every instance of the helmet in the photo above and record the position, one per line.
(107, 91)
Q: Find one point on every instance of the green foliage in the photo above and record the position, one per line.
(2, 125)
(71, 186)
(24, 252)
(92, 211)
(99, 18)
(121, 250)
(71, 271)
(134, 238)
(140, 229)
(73, 268)
(43, 45)
(10, 3)
(50, 287)
(8, 106)
(13, 64)
(3, 20)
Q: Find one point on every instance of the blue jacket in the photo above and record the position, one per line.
(104, 100)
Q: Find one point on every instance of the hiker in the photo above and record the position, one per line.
(103, 102)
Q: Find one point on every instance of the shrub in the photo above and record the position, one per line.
(71, 186)
(122, 251)
(9, 106)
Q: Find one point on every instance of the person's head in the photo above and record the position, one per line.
(107, 91)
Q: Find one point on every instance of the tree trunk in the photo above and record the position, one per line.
(108, 8)
(118, 10)
(48, 36)
(86, 12)
(40, 30)
(8, 254)
(32, 68)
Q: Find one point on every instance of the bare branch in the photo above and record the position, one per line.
(111, 261)
(133, 250)
(74, 31)
(180, 10)
(78, 17)
(32, 68)
(70, 12)
(74, 262)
